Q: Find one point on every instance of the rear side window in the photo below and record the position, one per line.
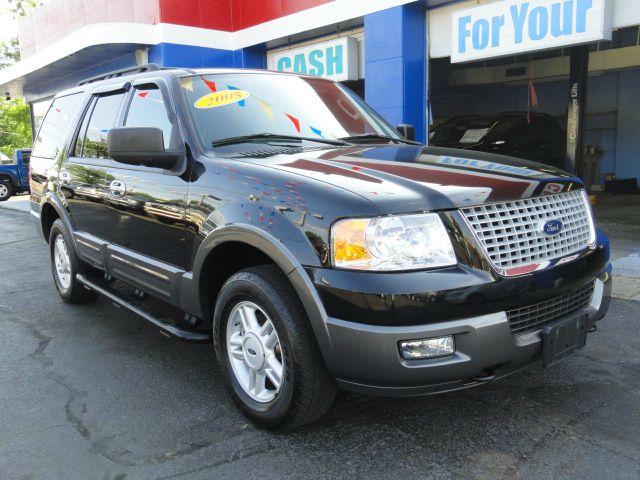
(56, 126)
(103, 118)
(148, 110)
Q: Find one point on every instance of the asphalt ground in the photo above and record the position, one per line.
(93, 392)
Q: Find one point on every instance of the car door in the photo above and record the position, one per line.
(82, 176)
(147, 205)
(23, 166)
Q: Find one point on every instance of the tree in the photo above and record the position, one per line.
(15, 118)
(15, 126)
(19, 8)
(9, 53)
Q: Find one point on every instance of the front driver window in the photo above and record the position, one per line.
(147, 109)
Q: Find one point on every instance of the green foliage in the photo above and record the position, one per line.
(15, 126)
(9, 53)
(19, 8)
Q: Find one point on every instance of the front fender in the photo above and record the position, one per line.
(281, 256)
(15, 182)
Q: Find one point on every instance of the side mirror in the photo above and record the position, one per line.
(140, 146)
(407, 131)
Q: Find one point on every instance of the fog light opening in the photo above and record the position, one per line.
(427, 348)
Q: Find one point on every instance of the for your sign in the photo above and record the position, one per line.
(510, 27)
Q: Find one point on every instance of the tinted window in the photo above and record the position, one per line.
(148, 110)
(504, 128)
(224, 105)
(77, 150)
(103, 119)
(56, 125)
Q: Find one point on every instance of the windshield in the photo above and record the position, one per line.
(235, 105)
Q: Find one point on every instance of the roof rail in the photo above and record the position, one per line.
(184, 69)
(149, 67)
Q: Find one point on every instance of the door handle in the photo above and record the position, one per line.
(65, 178)
(117, 188)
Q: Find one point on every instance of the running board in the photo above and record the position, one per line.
(167, 329)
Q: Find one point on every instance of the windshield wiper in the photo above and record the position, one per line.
(273, 136)
(376, 136)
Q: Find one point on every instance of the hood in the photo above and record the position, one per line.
(406, 178)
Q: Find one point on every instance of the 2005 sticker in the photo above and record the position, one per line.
(221, 98)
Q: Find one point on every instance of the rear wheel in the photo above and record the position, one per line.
(6, 190)
(270, 359)
(65, 265)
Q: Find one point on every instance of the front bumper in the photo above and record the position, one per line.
(365, 358)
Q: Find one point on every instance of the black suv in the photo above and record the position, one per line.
(532, 136)
(283, 219)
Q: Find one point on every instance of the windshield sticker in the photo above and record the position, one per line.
(221, 98)
(295, 121)
(187, 83)
(241, 103)
(316, 131)
(473, 135)
(268, 109)
(211, 85)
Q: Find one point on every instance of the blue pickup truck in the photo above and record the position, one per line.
(14, 178)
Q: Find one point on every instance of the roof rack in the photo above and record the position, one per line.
(149, 67)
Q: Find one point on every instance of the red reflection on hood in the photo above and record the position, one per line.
(502, 188)
(329, 169)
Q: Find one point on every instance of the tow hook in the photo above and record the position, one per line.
(593, 329)
(487, 375)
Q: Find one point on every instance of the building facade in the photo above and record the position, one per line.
(416, 62)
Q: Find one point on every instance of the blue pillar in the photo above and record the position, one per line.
(396, 62)
(251, 57)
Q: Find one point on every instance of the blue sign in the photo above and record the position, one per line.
(516, 26)
(335, 59)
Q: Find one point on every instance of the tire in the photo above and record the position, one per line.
(70, 290)
(306, 389)
(6, 190)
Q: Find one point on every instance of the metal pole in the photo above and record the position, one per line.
(577, 108)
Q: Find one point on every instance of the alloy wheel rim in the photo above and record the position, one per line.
(3, 190)
(62, 262)
(255, 352)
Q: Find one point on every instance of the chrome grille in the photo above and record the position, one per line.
(511, 235)
(534, 317)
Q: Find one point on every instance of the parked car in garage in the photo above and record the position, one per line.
(282, 219)
(534, 136)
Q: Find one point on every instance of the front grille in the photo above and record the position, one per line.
(534, 317)
(511, 233)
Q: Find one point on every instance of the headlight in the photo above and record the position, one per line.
(404, 242)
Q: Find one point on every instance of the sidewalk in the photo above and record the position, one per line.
(618, 216)
(18, 202)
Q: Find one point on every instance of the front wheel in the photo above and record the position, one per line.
(6, 191)
(269, 356)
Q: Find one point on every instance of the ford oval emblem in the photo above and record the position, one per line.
(551, 227)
